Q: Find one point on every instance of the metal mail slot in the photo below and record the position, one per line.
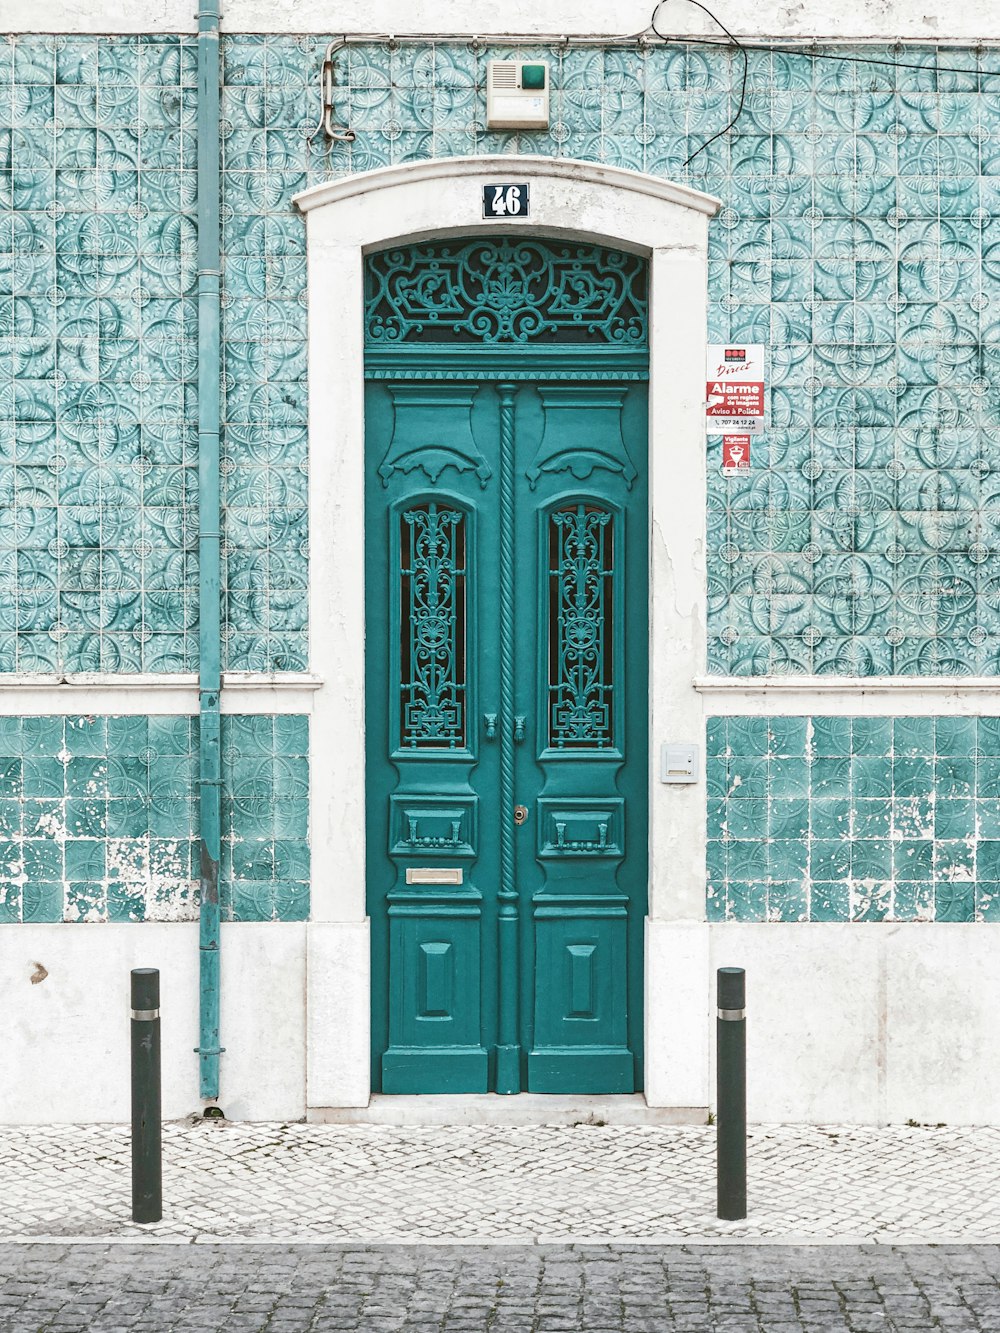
(434, 875)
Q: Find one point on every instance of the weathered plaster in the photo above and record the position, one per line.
(862, 20)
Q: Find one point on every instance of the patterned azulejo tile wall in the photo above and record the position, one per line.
(854, 819)
(98, 819)
(858, 240)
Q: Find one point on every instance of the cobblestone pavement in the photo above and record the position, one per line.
(502, 1289)
(350, 1183)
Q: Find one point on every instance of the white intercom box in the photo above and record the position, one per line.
(678, 763)
(517, 95)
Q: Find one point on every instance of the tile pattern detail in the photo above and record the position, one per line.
(98, 819)
(859, 240)
(853, 819)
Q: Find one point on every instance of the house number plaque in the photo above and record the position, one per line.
(505, 201)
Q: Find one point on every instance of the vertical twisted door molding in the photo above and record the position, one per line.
(508, 1071)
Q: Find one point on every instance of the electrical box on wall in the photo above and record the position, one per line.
(517, 95)
(678, 763)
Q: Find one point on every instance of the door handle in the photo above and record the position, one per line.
(519, 728)
(490, 723)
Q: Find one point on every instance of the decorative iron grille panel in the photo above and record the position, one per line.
(581, 628)
(499, 291)
(432, 628)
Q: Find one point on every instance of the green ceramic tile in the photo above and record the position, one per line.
(913, 737)
(829, 901)
(42, 901)
(912, 901)
(788, 817)
(954, 776)
(830, 818)
(872, 819)
(954, 901)
(831, 737)
(787, 902)
(830, 776)
(988, 860)
(747, 861)
(830, 859)
(871, 737)
(954, 861)
(912, 775)
(716, 737)
(954, 819)
(746, 819)
(788, 736)
(871, 778)
(955, 736)
(746, 901)
(789, 777)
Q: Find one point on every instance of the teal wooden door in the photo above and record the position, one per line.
(506, 714)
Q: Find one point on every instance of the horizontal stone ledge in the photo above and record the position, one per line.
(37, 694)
(900, 696)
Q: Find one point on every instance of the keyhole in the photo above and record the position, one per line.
(520, 814)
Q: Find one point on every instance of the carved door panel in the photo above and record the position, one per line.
(506, 646)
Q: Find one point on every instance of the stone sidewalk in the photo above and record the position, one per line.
(510, 1185)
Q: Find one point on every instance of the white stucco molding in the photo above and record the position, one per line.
(122, 694)
(884, 696)
(569, 199)
(521, 164)
(838, 20)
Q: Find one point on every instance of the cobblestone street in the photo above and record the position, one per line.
(503, 1289)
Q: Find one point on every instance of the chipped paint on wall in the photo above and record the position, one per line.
(854, 819)
(98, 819)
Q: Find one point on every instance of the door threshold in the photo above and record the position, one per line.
(526, 1108)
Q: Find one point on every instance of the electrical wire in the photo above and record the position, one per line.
(746, 69)
(791, 50)
(745, 47)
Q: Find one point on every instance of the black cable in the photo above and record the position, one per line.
(809, 55)
(743, 90)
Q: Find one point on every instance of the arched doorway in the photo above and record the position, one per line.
(506, 639)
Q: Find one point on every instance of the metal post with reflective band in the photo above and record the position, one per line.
(147, 1161)
(731, 1094)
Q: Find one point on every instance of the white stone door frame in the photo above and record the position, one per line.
(581, 201)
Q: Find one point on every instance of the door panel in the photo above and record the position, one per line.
(506, 596)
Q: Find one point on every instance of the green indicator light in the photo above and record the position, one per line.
(532, 76)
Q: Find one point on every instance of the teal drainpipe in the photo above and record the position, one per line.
(209, 581)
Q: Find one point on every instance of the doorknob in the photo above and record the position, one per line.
(519, 728)
(490, 723)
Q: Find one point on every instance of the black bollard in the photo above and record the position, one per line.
(147, 1163)
(731, 1095)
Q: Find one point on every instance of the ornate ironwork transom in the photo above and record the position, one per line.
(501, 291)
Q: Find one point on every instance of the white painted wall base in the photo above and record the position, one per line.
(861, 1024)
(868, 1024)
(339, 1009)
(65, 1052)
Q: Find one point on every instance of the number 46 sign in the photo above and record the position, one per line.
(505, 201)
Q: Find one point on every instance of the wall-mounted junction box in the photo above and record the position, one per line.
(517, 95)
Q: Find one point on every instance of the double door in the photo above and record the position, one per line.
(506, 723)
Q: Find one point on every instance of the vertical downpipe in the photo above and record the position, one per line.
(209, 589)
